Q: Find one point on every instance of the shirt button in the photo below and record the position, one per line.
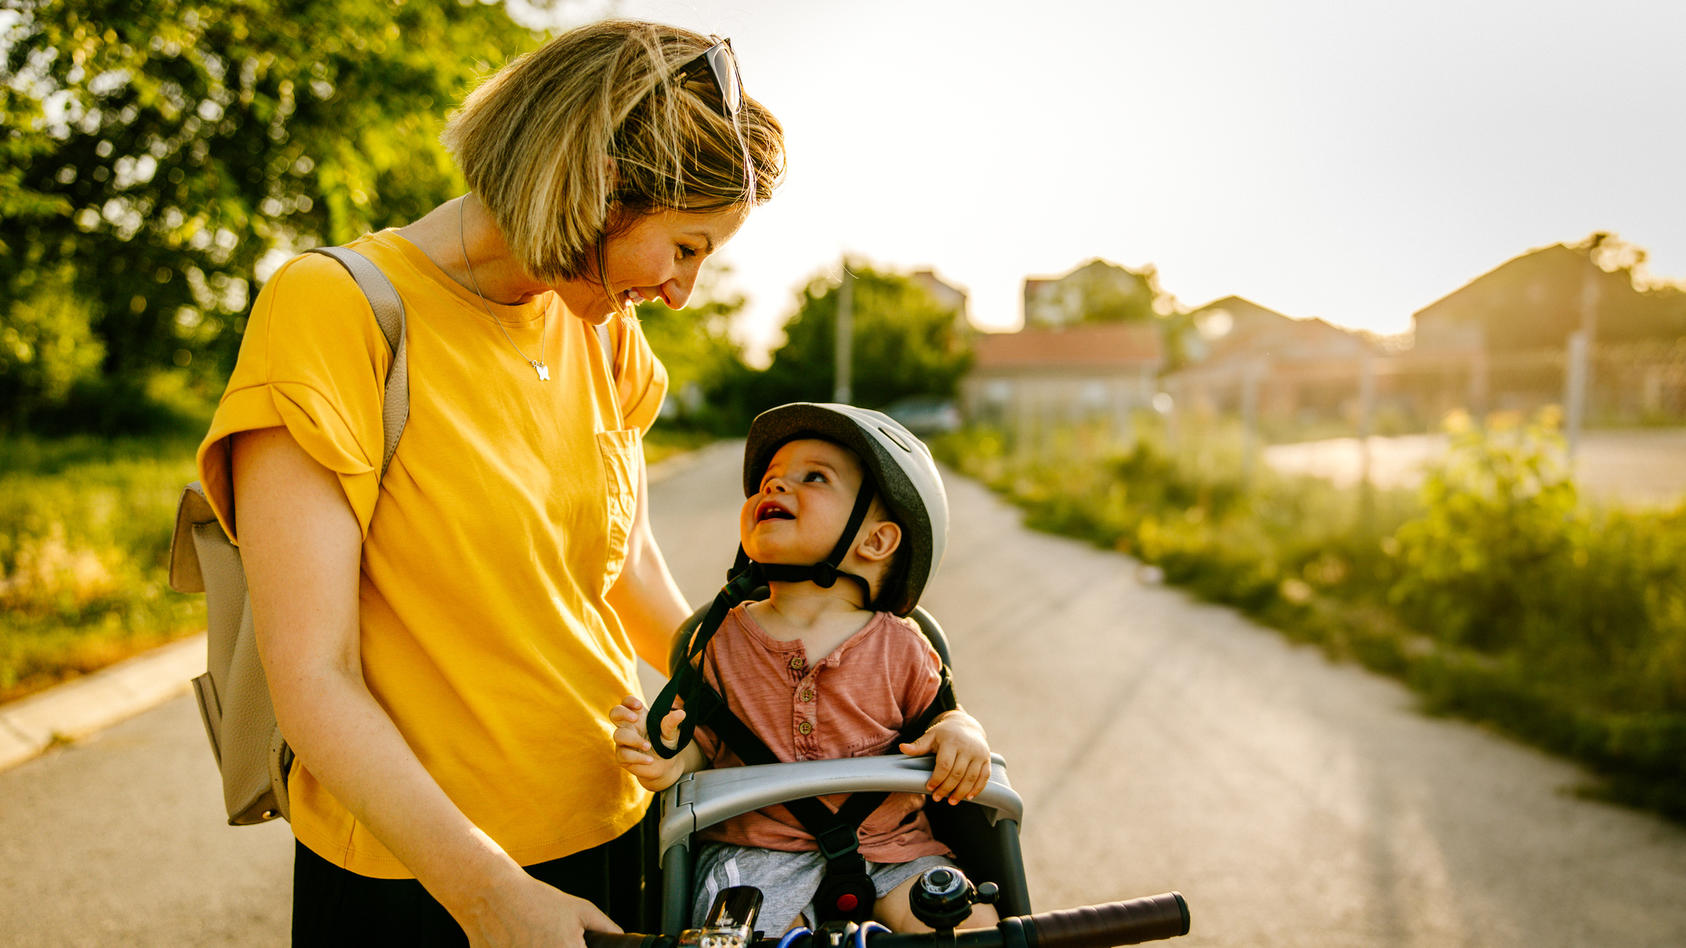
(796, 661)
(806, 727)
(806, 695)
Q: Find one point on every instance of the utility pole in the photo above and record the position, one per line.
(843, 345)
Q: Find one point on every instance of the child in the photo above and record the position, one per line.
(823, 667)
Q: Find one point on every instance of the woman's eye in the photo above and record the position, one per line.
(686, 253)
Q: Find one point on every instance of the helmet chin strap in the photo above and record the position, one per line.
(825, 573)
(746, 576)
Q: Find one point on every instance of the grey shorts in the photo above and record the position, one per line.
(787, 881)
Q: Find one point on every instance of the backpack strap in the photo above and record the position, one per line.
(389, 313)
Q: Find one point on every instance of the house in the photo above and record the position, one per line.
(1534, 301)
(1280, 366)
(948, 295)
(1036, 380)
(1097, 291)
(1505, 334)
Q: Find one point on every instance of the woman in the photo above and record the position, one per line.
(440, 659)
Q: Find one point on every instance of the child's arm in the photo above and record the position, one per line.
(633, 751)
(962, 767)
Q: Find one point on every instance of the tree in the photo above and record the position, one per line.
(705, 368)
(905, 343)
(1117, 294)
(158, 155)
(1099, 292)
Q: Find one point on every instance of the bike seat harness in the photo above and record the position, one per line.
(846, 892)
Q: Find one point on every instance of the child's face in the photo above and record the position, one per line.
(806, 495)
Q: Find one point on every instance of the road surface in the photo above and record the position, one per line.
(1159, 744)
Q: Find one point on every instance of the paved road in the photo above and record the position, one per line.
(1159, 743)
(1635, 467)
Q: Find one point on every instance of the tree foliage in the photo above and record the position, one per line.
(704, 365)
(905, 343)
(156, 153)
(1103, 292)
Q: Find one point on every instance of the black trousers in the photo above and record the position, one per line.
(334, 906)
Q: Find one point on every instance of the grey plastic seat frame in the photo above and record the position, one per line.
(983, 832)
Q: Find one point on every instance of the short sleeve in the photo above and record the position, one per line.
(313, 361)
(641, 377)
(924, 669)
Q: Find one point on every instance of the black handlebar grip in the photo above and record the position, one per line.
(607, 940)
(1103, 926)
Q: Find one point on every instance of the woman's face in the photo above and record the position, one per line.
(657, 257)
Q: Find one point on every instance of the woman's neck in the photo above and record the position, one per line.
(463, 226)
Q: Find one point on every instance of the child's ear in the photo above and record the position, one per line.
(880, 542)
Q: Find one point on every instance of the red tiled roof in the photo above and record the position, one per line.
(1116, 344)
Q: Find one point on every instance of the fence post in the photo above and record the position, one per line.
(1251, 377)
(1574, 394)
(1366, 424)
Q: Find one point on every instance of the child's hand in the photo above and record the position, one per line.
(632, 745)
(962, 766)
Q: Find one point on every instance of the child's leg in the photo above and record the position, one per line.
(787, 882)
(892, 909)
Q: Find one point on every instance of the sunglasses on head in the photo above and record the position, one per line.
(718, 63)
(721, 66)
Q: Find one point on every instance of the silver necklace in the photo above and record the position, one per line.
(462, 238)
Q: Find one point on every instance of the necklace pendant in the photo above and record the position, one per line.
(542, 370)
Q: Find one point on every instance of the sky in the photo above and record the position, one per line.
(1352, 160)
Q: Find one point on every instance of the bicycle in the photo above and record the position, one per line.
(941, 898)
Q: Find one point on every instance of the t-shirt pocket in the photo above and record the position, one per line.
(621, 451)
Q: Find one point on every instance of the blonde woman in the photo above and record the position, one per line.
(439, 659)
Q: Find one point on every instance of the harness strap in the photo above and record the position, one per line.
(944, 702)
(702, 703)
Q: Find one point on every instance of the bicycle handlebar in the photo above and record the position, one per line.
(1091, 926)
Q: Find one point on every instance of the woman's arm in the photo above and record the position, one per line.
(301, 548)
(645, 596)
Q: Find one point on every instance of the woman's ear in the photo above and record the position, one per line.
(879, 542)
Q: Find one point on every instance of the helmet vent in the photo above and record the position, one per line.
(895, 439)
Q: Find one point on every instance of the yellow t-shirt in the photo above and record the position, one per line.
(501, 522)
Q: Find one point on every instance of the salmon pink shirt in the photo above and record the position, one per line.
(853, 703)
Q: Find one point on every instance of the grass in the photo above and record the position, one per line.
(84, 540)
(1493, 592)
(85, 528)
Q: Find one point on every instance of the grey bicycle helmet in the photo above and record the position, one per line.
(901, 469)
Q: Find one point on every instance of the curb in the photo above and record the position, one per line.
(88, 704)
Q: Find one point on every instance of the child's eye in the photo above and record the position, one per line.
(815, 476)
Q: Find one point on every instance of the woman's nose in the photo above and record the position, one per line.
(677, 292)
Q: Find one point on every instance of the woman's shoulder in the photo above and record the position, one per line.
(309, 283)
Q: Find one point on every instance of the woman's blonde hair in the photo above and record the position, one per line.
(575, 139)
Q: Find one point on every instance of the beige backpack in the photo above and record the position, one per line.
(233, 694)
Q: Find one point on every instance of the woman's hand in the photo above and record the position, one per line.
(961, 770)
(529, 912)
(632, 745)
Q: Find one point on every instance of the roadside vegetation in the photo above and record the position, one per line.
(1494, 591)
(85, 524)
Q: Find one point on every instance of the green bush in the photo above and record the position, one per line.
(84, 541)
(1494, 592)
